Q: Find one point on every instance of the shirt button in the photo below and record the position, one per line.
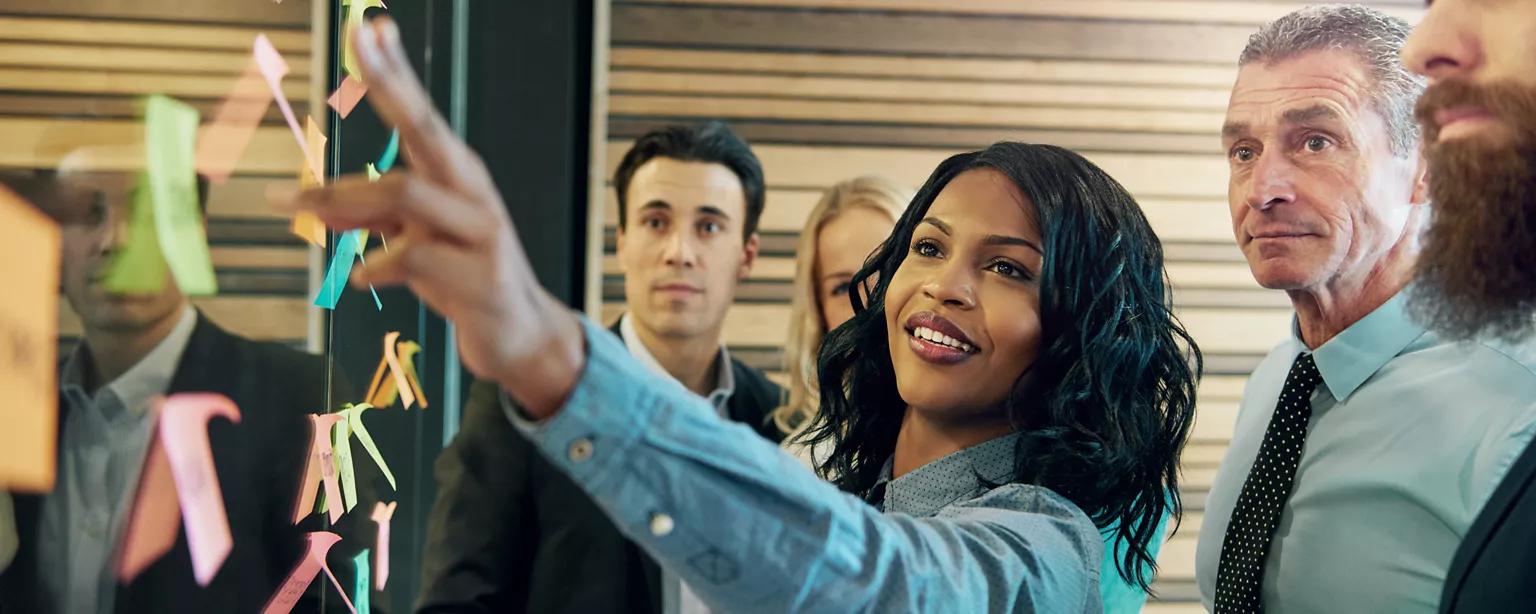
(661, 525)
(580, 450)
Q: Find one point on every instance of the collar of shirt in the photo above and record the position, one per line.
(725, 382)
(132, 390)
(1354, 355)
(922, 492)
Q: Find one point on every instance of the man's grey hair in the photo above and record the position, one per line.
(1373, 36)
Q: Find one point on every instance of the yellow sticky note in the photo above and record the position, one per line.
(373, 173)
(355, 19)
(305, 224)
(170, 139)
(29, 315)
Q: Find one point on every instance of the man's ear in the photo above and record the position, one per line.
(749, 256)
(618, 248)
(1420, 182)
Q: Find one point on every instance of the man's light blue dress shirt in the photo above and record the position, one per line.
(750, 529)
(1409, 435)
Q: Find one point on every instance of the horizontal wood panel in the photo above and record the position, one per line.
(122, 82)
(146, 34)
(256, 317)
(1068, 71)
(871, 32)
(42, 142)
(292, 14)
(260, 257)
(1146, 176)
(246, 197)
(92, 106)
(917, 90)
(688, 107)
(97, 57)
(1244, 12)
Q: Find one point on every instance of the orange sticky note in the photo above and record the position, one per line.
(381, 514)
(179, 468)
(313, 562)
(221, 141)
(29, 320)
(347, 95)
(320, 465)
(272, 67)
(382, 392)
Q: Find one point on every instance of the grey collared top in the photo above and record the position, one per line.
(924, 491)
(102, 450)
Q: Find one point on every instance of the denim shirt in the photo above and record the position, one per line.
(750, 529)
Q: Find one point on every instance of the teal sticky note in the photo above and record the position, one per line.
(362, 244)
(340, 269)
(170, 141)
(138, 268)
(391, 151)
(363, 588)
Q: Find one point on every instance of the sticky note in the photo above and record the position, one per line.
(179, 473)
(346, 96)
(170, 139)
(341, 269)
(354, 19)
(391, 151)
(306, 224)
(382, 392)
(184, 436)
(29, 320)
(310, 565)
(342, 446)
(381, 515)
(319, 465)
(352, 424)
(362, 589)
(154, 518)
(225, 138)
(373, 173)
(139, 267)
(272, 67)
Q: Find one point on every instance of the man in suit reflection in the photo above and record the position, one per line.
(510, 532)
(1477, 274)
(133, 348)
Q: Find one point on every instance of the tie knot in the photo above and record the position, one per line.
(1304, 375)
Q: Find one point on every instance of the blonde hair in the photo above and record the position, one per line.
(806, 328)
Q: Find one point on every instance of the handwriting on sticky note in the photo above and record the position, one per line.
(170, 139)
(225, 138)
(319, 466)
(273, 69)
(347, 95)
(353, 425)
(382, 392)
(361, 587)
(183, 432)
(310, 565)
(381, 514)
(342, 445)
(341, 269)
(29, 323)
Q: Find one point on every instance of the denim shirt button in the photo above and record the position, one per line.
(580, 450)
(661, 525)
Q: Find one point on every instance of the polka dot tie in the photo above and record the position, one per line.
(1240, 576)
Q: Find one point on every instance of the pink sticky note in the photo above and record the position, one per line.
(381, 515)
(179, 468)
(320, 464)
(272, 66)
(184, 436)
(152, 526)
(221, 141)
(347, 96)
(313, 562)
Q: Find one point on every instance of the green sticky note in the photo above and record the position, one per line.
(361, 590)
(373, 173)
(354, 19)
(355, 420)
(341, 445)
(170, 138)
(138, 267)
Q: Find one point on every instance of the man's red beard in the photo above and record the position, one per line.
(1477, 270)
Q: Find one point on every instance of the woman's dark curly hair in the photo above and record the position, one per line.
(1107, 405)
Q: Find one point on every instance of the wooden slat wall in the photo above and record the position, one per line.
(72, 74)
(828, 90)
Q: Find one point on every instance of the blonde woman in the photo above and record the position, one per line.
(847, 226)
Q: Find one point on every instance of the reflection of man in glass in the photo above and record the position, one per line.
(134, 347)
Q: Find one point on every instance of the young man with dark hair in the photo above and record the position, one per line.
(133, 348)
(510, 531)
